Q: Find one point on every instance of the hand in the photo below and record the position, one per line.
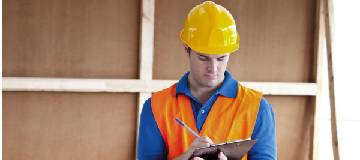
(200, 142)
(221, 156)
(197, 143)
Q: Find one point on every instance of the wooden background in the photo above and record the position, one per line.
(100, 39)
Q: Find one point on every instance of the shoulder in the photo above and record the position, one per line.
(162, 98)
(167, 91)
(266, 113)
(265, 106)
(249, 91)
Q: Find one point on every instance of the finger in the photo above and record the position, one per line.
(222, 156)
(200, 144)
(206, 139)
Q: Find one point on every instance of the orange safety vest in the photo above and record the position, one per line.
(230, 119)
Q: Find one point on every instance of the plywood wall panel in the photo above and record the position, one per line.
(71, 38)
(276, 39)
(45, 125)
(294, 126)
(99, 39)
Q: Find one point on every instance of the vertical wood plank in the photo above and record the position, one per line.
(146, 52)
(318, 61)
(329, 43)
(147, 39)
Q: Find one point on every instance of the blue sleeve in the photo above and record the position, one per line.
(150, 144)
(264, 134)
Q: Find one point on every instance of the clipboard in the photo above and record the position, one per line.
(232, 150)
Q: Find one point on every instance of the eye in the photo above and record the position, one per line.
(201, 58)
(220, 59)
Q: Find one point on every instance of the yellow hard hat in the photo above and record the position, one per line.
(210, 28)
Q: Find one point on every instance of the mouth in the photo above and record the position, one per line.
(211, 76)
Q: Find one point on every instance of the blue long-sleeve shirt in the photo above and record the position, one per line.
(152, 146)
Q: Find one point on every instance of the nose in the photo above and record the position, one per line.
(212, 66)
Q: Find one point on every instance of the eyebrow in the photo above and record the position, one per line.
(209, 57)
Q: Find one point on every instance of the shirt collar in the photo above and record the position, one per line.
(228, 88)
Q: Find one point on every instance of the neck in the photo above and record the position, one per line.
(202, 93)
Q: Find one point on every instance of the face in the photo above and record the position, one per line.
(207, 70)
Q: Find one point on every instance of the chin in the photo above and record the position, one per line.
(211, 84)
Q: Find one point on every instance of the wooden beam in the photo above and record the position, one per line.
(329, 43)
(146, 53)
(318, 68)
(147, 39)
(137, 85)
(283, 88)
(146, 48)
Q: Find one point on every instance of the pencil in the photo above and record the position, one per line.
(187, 128)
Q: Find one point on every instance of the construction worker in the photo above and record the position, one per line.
(207, 98)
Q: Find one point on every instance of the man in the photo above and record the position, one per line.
(207, 99)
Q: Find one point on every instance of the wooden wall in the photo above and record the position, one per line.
(100, 39)
(43, 126)
(72, 39)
